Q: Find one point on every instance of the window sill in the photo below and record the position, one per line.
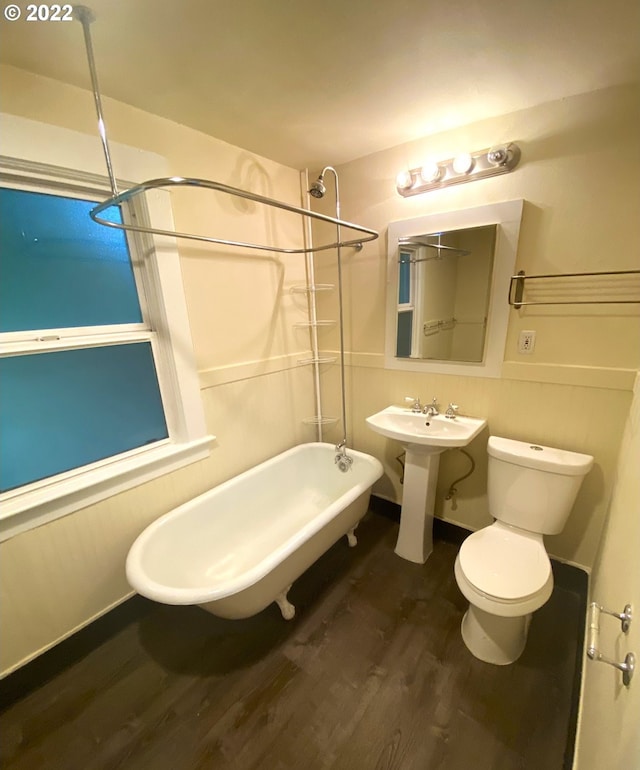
(21, 511)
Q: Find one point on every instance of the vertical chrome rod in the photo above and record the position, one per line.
(340, 310)
(86, 16)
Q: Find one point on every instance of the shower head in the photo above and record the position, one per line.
(317, 188)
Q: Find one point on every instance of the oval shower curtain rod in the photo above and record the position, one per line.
(152, 184)
(86, 16)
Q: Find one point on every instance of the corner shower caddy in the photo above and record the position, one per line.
(317, 358)
(86, 17)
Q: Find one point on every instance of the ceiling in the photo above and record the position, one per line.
(311, 82)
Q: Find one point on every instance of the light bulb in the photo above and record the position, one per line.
(430, 172)
(462, 164)
(404, 180)
(498, 156)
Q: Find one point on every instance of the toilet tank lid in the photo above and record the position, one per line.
(540, 457)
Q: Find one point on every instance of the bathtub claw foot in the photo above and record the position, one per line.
(286, 608)
(351, 538)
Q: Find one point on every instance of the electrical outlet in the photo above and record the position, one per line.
(526, 342)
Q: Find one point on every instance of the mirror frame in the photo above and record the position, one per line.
(507, 216)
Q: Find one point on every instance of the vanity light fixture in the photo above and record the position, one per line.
(404, 180)
(430, 172)
(462, 164)
(463, 168)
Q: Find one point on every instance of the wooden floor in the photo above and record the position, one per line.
(372, 674)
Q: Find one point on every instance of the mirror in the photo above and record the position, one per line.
(448, 279)
(443, 294)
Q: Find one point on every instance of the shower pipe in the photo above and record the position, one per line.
(313, 311)
(86, 16)
(318, 189)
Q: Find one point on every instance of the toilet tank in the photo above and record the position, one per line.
(533, 487)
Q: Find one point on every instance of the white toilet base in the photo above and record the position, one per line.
(492, 638)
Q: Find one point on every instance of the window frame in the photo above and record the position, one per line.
(165, 326)
(414, 306)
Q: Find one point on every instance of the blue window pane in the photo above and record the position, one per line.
(404, 282)
(58, 268)
(61, 410)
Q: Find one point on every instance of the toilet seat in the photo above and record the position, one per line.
(500, 607)
(505, 565)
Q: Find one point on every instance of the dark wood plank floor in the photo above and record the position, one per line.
(372, 674)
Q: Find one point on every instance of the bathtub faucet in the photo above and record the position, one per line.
(342, 459)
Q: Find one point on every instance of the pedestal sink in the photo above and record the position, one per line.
(424, 438)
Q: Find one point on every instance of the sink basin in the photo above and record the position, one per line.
(416, 428)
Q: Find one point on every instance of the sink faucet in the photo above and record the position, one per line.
(432, 409)
(452, 411)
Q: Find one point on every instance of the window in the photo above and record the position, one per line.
(406, 302)
(63, 277)
(95, 394)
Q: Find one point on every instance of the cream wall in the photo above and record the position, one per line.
(471, 307)
(578, 176)
(608, 734)
(56, 578)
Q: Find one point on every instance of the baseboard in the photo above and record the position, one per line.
(32, 675)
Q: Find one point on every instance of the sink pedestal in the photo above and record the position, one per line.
(424, 437)
(415, 539)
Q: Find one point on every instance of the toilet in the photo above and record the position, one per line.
(503, 570)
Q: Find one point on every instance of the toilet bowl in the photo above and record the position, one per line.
(503, 570)
(506, 576)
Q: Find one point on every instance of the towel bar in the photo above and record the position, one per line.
(627, 667)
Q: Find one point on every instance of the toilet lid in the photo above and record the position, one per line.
(506, 564)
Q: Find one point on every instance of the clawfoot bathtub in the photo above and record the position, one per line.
(239, 546)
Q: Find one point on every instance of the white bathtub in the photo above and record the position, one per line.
(239, 546)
